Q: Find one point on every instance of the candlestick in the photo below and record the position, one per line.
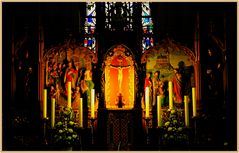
(147, 102)
(53, 101)
(45, 103)
(147, 130)
(81, 113)
(92, 103)
(170, 90)
(186, 111)
(159, 99)
(92, 130)
(69, 94)
(194, 102)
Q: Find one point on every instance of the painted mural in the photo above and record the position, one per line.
(168, 62)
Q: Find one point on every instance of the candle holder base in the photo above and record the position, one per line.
(92, 121)
(45, 120)
(147, 120)
(195, 120)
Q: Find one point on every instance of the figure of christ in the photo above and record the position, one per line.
(120, 69)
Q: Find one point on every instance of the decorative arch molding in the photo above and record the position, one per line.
(119, 78)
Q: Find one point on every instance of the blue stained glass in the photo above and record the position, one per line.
(147, 27)
(147, 42)
(90, 20)
(89, 42)
(90, 23)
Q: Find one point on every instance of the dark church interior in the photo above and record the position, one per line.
(119, 76)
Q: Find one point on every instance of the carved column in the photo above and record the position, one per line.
(13, 73)
(41, 64)
(197, 64)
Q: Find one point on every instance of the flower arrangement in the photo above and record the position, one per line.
(174, 131)
(64, 132)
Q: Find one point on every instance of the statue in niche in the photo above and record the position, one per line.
(213, 67)
(27, 81)
(120, 69)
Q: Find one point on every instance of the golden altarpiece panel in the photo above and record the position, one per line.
(63, 63)
(168, 59)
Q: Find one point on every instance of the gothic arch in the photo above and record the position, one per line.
(119, 77)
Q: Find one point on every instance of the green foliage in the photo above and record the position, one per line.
(174, 131)
(64, 132)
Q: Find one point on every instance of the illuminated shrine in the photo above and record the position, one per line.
(119, 76)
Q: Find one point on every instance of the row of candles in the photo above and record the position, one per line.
(53, 107)
(159, 99)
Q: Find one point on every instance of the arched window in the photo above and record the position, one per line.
(119, 16)
(90, 23)
(147, 25)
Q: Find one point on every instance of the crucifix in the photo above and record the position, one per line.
(120, 72)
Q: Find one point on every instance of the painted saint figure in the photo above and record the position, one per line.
(69, 76)
(76, 96)
(156, 81)
(178, 87)
(89, 84)
(148, 83)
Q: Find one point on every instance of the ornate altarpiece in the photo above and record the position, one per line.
(166, 57)
(82, 59)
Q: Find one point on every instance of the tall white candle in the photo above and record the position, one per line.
(170, 90)
(53, 102)
(45, 103)
(194, 102)
(186, 111)
(81, 113)
(159, 99)
(92, 103)
(147, 102)
(69, 94)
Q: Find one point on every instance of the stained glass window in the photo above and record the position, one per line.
(119, 16)
(147, 27)
(90, 23)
